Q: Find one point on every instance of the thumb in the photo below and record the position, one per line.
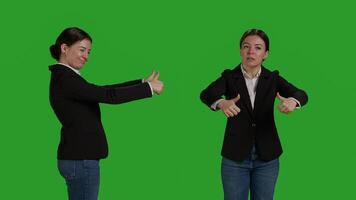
(280, 97)
(156, 76)
(152, 74)
(236, 99)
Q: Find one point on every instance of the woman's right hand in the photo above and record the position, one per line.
(157, 85)
(229, 107)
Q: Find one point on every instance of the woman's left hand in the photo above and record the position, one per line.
(151, 76)
(287, 105)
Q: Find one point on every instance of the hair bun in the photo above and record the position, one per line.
(54, 51)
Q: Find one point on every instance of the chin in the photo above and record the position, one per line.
(253, 63)
(249, 64)
(79, 66)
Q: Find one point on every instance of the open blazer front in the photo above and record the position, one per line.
(251, 126)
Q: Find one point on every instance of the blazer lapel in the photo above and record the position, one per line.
(240, 84)
(261, 89)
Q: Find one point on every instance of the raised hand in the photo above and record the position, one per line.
(229, 106)
(157, 85)
(286, 105)
(150, 77)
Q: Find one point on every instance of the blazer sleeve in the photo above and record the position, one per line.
(215, 91)
(77, 88)
(125, 84)
(287, 89)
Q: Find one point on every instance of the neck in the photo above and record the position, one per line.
(252, 70)
(64, 61)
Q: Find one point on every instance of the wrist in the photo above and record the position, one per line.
(219, 105)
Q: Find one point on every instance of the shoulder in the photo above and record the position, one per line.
(266, 72)
(229, 73)
(61, 70)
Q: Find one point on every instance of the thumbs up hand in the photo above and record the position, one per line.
(157, 85)
(229, 106)
(286, 105)
(150, 77)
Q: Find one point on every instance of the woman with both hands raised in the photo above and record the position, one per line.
(251, 145)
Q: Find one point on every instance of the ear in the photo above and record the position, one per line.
(266, 55)
(64, 48)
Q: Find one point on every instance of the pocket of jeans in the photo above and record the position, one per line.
(67, 168)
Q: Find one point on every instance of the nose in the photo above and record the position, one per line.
(85, 56)
(251, 51)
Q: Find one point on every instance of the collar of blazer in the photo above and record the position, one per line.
(237, 73)
(60, 69)
(236, 82)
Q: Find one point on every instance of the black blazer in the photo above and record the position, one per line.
(255, 126)
(76, 105)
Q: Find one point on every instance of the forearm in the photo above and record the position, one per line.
(124, 84)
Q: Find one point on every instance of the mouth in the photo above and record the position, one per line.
(250, 59)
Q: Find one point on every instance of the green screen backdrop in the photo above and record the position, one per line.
(168, 147)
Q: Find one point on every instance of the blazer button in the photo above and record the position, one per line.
(253, 125)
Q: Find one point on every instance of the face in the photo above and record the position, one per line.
(77, 54)
(253, 51)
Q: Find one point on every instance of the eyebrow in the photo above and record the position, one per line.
(84, 47)
(249, 44)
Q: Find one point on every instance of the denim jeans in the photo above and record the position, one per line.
(251, 175)
(82, 178)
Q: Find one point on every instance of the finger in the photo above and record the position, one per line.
(236, 99)
(280, 108)
(236, 109)
(159, 87)
(228, 113)
(283, 108)
(233, 111)
(232, 114)
(288, 106)
(151, 75)
(158, 91)
(280, 97)
(156, 76)
(291, 104)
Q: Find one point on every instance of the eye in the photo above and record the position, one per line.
(244, 46)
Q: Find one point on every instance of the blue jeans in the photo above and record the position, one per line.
(82, 178)
(250, 175)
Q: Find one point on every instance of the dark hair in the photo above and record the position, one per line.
(68, 36)
(257, 32)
